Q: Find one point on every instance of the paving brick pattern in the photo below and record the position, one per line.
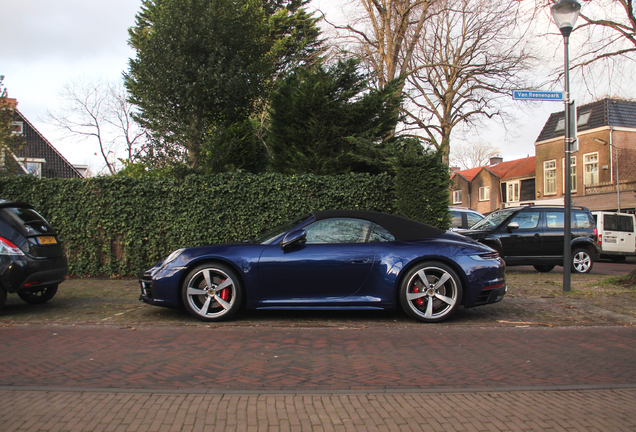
(255, 358)
(224, 378)
(598, 410)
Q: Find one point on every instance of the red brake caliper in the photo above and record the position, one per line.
(225, 294)
(419, 301)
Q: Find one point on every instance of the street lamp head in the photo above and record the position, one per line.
(565, 13)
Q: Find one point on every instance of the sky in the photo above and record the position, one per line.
(47, 45)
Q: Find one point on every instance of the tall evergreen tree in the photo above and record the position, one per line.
(202, 66)
(329, 121)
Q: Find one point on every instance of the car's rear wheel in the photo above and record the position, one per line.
(38, 296)
(582, 261)
(430, 292)
(543, 268)
(212, 292)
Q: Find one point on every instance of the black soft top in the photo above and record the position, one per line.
(403, 229)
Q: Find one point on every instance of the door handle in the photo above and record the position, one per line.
(359, 261)
(537, 235)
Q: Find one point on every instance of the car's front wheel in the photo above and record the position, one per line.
(212, 292)
(543, 268)
(582, 261)
(39, 296)
(430, 292)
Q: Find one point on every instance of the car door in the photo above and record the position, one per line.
(524, 241)
(554, 233)
(333, 263)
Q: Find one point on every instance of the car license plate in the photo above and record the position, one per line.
(610, 239)
(44, 240)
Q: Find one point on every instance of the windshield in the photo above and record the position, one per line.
(493, 220)
(273, 234)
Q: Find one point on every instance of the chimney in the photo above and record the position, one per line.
(495, 160)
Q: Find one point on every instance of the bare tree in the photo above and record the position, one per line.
(99, 111)
(466, 63)
(385, 34)
(611, 30)
(472, 155)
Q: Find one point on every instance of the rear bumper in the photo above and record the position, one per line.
(23, 273)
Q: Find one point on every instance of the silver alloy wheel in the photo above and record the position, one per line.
(211, 294)
(432, 293)
(581, 261)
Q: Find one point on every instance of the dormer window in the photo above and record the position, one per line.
(583, 118)
(560, 125)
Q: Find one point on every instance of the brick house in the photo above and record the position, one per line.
(606, 153)
(498, 185)
(37, 156)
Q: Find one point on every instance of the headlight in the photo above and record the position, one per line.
(173, 256)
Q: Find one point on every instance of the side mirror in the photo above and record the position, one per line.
(298, 236)
(513, 225)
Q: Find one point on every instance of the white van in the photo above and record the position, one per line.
(616, 236)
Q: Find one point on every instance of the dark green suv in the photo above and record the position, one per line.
(533, 235)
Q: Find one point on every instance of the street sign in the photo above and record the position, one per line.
(537, 95)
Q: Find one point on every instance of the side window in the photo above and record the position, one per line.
(379, 234)
(555, 219)
(456, 219)
(582, 220)
(527, 219)
(472, 219)
(343, 230)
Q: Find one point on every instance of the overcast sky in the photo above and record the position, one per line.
(47, 44)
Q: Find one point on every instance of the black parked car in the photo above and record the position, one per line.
(32, 260)
(533, 235)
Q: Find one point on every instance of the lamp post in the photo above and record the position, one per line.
(565, 13)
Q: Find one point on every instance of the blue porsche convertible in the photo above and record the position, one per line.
(332, 260)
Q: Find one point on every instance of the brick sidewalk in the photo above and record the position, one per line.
(588, 410)
(401, 378)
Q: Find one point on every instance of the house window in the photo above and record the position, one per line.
(17, 127)
(32, 166)
(560, 125)
(572, 172)
(590, 162)
(513, 191)
(549, 177)
(457, 197)
(484, 193)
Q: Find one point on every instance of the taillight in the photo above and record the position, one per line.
(8, 248)
(489, 255)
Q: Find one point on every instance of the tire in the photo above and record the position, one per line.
(40, 296)
(543, 268)
(582, 261)
(3, 296)
(212, 292)
(440, 298)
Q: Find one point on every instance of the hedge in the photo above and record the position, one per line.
(119, 226)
